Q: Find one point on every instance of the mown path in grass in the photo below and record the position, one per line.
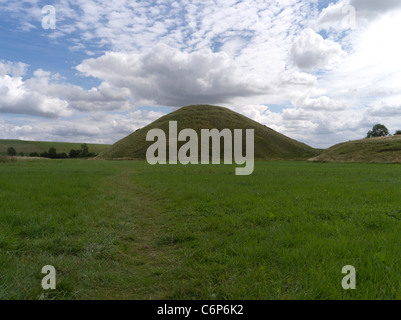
(87, 219)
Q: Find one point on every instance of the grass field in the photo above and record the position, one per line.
(126, 230)
(28, 147)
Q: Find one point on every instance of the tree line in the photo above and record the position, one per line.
(379, 130)
(83, 152)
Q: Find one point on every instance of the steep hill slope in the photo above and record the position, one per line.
(269, 144)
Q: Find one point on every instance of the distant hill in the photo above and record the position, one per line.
(385, 149)
(269, 144)
(28, 147)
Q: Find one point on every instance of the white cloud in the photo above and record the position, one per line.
(373, 67)
(13, 69)
(97, 128)
(334, 17)
(45, 96)
(322, 103)
(168, 76)
(386, 108)
(296, 78)
(18, 98)
(311, 51)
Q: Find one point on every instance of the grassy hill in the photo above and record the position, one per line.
(385, 149)
(269, 144)
(28, 147)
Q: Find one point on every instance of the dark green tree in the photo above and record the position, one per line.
(52, 153)
(397, 133)
(11, 152)
(379, 130)
(73, 153)
(85, 150)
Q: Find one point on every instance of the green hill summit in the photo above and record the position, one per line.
(269, 144)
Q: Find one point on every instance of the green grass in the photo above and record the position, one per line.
(133, 231)
(28, 147)
(4, 159)
(269, 144)
(373, 150)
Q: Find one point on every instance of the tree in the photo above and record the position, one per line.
(85, 150)
(73, 153)
(378, 130)
(52, 153)
(11, 152)
(397, 133)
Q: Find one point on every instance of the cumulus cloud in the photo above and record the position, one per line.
(46, 96)
(336, 17)
(168, 76)
(18, 98)
(102, 98)
(311, 51)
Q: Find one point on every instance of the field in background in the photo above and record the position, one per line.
(128, 230)
(28, 147)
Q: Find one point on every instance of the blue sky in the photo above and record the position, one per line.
(321, 72)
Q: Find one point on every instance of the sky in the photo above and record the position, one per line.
(94, 71)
